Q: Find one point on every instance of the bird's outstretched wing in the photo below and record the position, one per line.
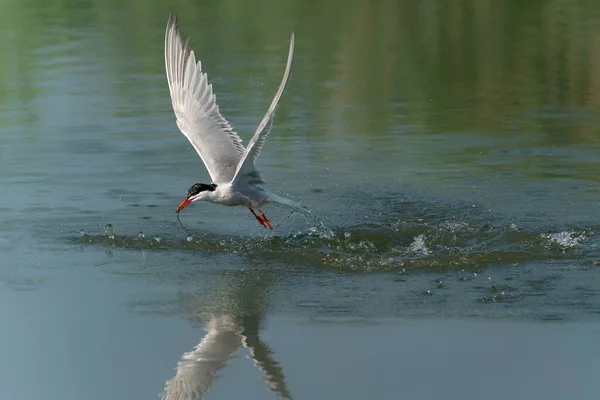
(195, 107)
(245, 169)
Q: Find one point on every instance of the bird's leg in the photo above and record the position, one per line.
(259, 219)
(265, 219)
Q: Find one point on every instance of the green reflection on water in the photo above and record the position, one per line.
(369, 74)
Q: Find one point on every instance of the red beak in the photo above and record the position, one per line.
(183, 205)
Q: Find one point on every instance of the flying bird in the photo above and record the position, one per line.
(229, 163)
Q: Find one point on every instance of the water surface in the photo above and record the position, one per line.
(449, 150)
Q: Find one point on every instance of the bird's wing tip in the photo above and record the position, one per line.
(173, 20)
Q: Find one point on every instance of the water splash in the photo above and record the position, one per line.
(399, 246)
(109, 231)
(564, 239)
(418, 245)
(314, 222)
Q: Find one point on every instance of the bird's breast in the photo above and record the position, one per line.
(227, 196)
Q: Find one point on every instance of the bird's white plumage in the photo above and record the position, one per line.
(199, 119)
(197, 112)
(230, 165)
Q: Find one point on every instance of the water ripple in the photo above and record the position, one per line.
(371, 248)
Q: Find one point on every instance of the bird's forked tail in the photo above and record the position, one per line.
(284, 201)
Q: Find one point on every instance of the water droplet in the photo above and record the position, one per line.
(141, 235)
(109, 232)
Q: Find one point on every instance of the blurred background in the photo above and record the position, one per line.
(448, 151)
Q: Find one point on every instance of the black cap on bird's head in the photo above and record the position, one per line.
(194, 191)
(200, 187)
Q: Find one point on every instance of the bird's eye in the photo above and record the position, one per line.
(194, 190)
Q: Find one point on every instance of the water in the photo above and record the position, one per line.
(448, 148)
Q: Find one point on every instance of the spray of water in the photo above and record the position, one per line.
(312, 220)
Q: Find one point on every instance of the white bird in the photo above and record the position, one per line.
(230, 165)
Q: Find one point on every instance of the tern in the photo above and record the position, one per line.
(229, 164)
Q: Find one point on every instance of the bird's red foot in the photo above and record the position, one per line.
(260, 220)
(265, 219)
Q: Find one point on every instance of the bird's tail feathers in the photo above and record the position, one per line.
(284, 201)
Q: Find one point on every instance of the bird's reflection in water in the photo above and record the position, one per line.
(232, 314)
